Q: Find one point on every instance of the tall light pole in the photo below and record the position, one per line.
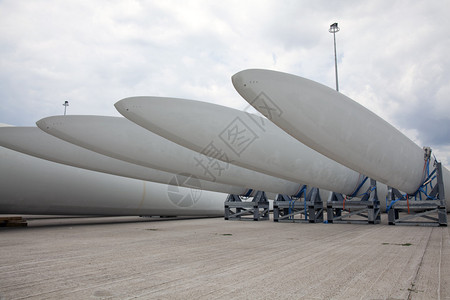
(333, 29)
(65, 104)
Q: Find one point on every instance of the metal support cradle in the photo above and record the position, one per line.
(257, 208)
(365, 210)
(306, 210)
(421, 208)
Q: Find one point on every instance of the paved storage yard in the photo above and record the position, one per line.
(150, 258)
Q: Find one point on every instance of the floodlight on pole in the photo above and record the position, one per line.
(65, 104)
(333, 29)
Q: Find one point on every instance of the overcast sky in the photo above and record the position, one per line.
(392, 55)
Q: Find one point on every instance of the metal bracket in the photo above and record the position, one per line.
(290, 209)
(257, 208)
(406, 209)
(365, 210)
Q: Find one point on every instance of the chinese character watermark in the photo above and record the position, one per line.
(256, 117)
(238, 136)
(213, 161)
(188, 194)
(266, 106)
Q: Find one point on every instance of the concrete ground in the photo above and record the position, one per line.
(152, 258)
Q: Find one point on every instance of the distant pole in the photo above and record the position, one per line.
(333, 29)
(65, 104)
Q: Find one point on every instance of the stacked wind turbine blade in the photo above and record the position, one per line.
(122, 139)
(246, 139)
(336, 126)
